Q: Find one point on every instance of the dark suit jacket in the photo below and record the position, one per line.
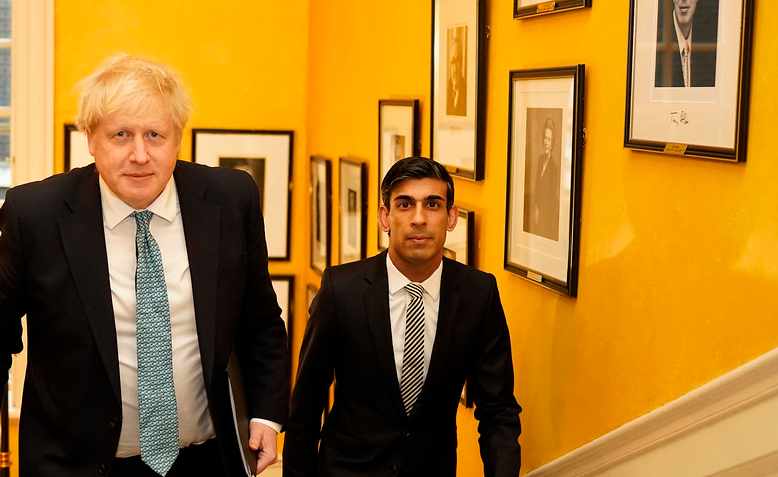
(669, 72)
(367, 432)
(53, 267)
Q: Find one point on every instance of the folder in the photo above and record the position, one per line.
(240, 416)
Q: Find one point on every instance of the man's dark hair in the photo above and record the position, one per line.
(416, 167)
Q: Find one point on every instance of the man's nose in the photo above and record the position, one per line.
(139, 152)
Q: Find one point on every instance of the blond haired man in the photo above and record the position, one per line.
(140, 275)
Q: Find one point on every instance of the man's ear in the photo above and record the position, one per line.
(383, 218)
(453, 215)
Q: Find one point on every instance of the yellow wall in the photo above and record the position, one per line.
(678, 257)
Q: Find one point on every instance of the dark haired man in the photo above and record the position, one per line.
(402, 331)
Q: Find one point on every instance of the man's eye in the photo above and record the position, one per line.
(403, 204)
(153, 134)
(121, 134)
(433, 204)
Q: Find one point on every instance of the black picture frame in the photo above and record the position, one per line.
(275, 148)
(280, 284)
(76, 148)
(460, 243)
(321, 226)
(543, 213)
(311, 292)
(352, 182)
(683, 111)
(397, 118)
(546, 7)
(457, 127)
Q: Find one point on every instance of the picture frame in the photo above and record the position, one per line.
(321, 213)
(311, 292)
(76, 148)
(283, 286)
(458, 90)
(398, 137)
(352, 183)
(266, 155)
(545, 154)
(459, 243)
(534, 8)
(689, 104)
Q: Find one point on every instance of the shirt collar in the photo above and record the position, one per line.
(115, 210)
(397, 280)
(683, 42)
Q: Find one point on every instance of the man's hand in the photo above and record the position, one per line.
(263, 439)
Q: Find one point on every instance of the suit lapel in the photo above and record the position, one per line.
(377, 313)
(83, 241)
(447, 310)
(201, 221)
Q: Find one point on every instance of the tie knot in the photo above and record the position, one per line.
(142, 218)
(415, 290)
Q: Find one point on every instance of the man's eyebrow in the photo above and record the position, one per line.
(428, 198)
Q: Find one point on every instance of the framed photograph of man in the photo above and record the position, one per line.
(459, 243)
(311, 291)
(459, 86)
(76, 148)
(689, 69)
(533, 8)
(545, 152)
(283, 285)
(398, 137)
(353, 210)
(267, 157)
(321, 213)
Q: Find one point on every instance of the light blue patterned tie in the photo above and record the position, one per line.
(158, 419)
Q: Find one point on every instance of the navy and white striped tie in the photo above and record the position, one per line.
(413, 350)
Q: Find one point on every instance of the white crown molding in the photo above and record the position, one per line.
(702, 420)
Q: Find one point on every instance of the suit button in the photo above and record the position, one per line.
(102, 469)
(408, 435)
(395, 469)
(113, 423)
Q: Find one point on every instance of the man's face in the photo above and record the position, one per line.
(684, 11)
(136, 154)
(418, 221)
(548, 140)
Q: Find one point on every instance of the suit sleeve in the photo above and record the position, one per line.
(261, 339)
(491, 384)
(12, 297)
(314, 376)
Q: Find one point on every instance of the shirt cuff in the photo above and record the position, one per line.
(273, 425)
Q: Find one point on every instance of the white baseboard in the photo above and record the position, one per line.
(726, 428)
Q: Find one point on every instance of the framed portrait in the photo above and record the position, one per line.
(267, 157)
(459, 244)
(545, 152)
(321, 213)
(398, 137)
(76, 148)
(311, 291)
(533, 8)
(353, 210)
(689, 70)
(459, 86)
(283, 285)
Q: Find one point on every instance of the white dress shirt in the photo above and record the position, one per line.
(194, 420)
(398, 302)
(685, 50)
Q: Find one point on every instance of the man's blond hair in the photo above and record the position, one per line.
(134, 85)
